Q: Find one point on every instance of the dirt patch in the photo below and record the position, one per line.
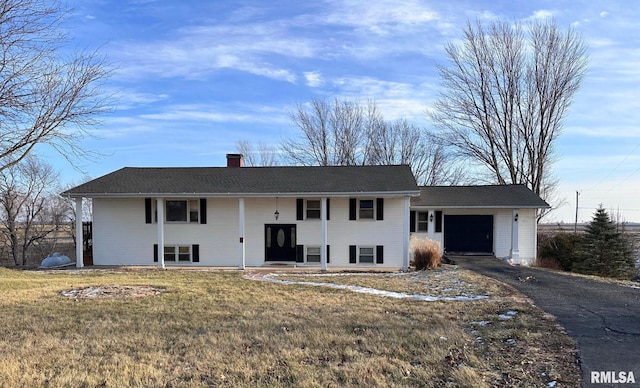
(111, 291)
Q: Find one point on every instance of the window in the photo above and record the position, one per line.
(169, 253)
(366, 209)
(177, 253)
(313, 208)
(313, 254)
(181, 211)
(184, 254)
(423, 221)
(366, 255)
(176, 211)
(193, 210)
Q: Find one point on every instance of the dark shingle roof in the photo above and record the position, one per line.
(220, 181)
(499, 196)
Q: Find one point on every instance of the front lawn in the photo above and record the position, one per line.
(220, 329)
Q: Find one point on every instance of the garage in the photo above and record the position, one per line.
(468, 234)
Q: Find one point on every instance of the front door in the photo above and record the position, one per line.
(280, 242)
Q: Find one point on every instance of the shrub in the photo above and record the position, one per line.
(560, 248)
(425, 253)
(605, 250)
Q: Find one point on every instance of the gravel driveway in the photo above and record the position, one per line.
(603, 318)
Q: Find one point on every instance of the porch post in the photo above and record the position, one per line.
(323, 240)
(515, 251)
(241, 232)
(79, 234)
(405, 235)
(160, 208)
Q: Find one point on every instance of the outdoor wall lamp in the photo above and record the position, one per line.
(431, 218)
(515, 218)
(276, 214)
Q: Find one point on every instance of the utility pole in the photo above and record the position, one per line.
(575, 226)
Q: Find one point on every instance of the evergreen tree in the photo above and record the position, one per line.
(604, 250)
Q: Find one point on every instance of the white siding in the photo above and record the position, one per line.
(527, 231)
(502, 228)
(121, 236)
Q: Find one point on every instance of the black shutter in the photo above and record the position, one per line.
(438, 221)
(299, 253)
(352, 208)
(147, 211)
(352, 254)
(328, 255)
(195, 253)
(379, 209)
(203, 210)
(299, 209)
(379, 254)
(328, 201)
(155, 252)
(412, 222)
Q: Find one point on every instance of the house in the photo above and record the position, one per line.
(340, 216)
(250, 216)
(495, 220)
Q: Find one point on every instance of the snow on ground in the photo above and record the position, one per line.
(272, 277)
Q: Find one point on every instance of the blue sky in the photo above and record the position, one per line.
(194, 77)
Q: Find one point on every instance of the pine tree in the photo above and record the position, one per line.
(604, 250)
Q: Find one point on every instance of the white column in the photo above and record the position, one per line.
(515, 251)
(160, 208)
(323, 240)
(405, 235)
(79, 234)
(243, 253)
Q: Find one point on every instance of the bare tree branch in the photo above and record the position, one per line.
(506, 92)
(45, 98)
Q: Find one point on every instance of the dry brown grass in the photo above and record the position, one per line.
(425, 253)
(219, 329)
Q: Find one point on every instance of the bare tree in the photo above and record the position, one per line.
(29, 215)
(351, 133)
(262, 154)
(45, 97)
(506, 92)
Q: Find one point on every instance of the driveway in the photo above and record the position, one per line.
(603, 318)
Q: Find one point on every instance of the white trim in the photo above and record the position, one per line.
(348, 194)
(323, 227)
(79, 234)
(241, 232)
(405, 235)
(515, 236)
(160, 209)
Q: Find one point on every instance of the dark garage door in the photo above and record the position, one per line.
(468, 234)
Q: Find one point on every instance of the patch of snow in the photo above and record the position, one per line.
(367, 290)
(551, 384)
(511, 341)
(482, 323)
(508, 315)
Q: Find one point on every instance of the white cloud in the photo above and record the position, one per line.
(604, 14)
(543, 14)
(380, 17)
(314, 78)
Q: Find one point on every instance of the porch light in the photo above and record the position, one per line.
(515, 218)
(431, 218)
(276, 214)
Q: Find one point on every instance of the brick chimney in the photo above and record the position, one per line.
(234, 160)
